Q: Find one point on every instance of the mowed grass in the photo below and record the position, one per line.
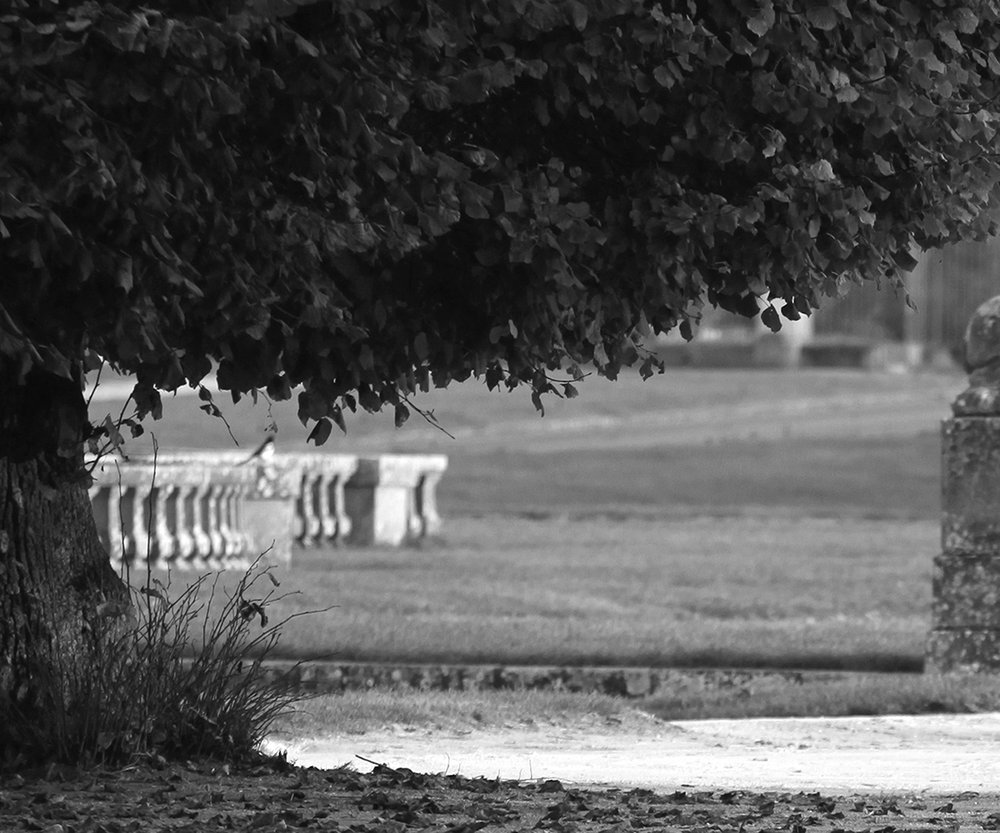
(751, 518)
(845, 696)
(481, 419)
(749, 592)
(885, 477)
(816, 443)
(356, 712)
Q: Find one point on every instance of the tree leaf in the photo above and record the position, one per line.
(421, 347)
(760, 25)
(822, 17)
(769, 317)
(904, 260)
(321, 432)
(124, 277)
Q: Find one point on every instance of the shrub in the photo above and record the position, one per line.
(185, 678)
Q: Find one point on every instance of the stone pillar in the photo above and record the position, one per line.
(382, 498)
(269, 511)
(965, 634)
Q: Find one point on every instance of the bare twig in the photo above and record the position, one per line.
(428, 417)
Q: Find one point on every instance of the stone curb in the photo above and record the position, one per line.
(337, 677)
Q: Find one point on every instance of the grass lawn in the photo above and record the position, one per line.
(885, 477)
(817, 443)
(355, 712)
(748, 518)
(779, 592)
(732, 403)
(849, 695)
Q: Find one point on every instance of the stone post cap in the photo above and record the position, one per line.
(982, 336)
(982, 363)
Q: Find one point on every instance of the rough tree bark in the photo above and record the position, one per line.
(58, 592)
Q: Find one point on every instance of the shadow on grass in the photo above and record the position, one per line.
(860, 662)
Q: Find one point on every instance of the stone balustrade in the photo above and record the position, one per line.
(321, 516)
(213, 510)
(190, 514)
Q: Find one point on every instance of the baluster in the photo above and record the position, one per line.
(116, 537)
(199, 517)
(327, 517)
(307, 509)
(126, 496)
(236, 539)
(414, 518)
(141, 494)
(104, 502)
(343, 520)
(165, 548)
(218, 544)
(223, 535)
(298, 519)
(105, 498)
(427, 500)
(182, 528)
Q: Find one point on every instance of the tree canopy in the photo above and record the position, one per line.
(366, 198)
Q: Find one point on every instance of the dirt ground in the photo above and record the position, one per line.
(928, 755)
(936, 774)
(205, 799)
(877, 775)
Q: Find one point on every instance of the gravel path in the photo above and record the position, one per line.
(937, 755)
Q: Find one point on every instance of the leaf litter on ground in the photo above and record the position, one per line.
(203, 798)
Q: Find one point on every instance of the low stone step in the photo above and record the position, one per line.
(336, 677)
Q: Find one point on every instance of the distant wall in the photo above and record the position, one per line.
(945, 288)
(872, 321)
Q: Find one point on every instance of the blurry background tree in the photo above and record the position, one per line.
(362, 199)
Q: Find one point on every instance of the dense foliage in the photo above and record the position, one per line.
(367, 197)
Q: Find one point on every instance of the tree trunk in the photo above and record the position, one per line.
(58, 592)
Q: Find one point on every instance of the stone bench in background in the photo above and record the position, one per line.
(216, 510)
